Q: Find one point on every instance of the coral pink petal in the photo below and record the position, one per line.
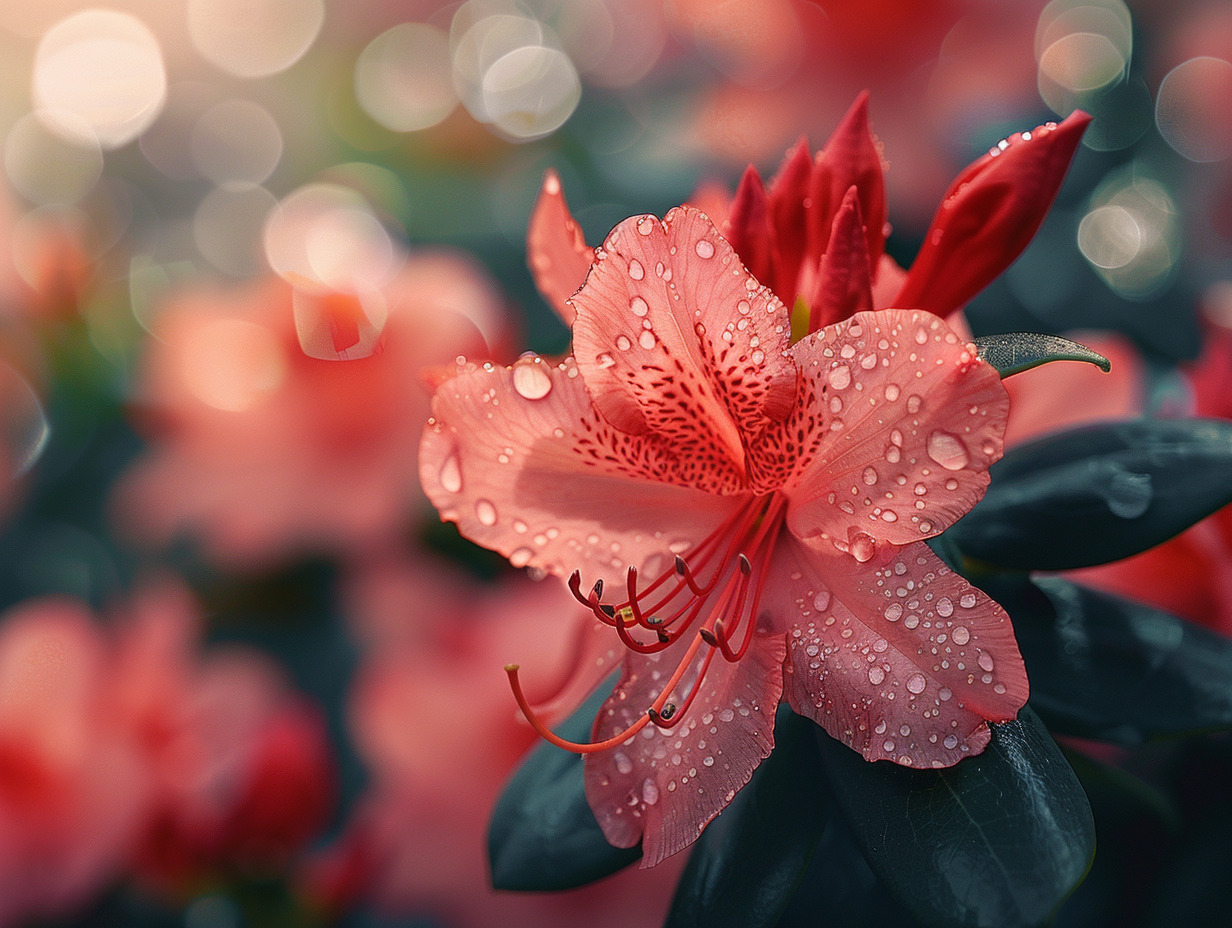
(713, 199)
(906, 422)
(844, 286)
(900, 658)
(673, 336)
(989, 214)
(522, 461)
(559, 256)
(851, 158)
(664, 785)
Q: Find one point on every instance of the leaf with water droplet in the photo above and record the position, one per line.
(998, 839)
(749, 860)
(543, 835)
(1014, 352)
(1111, 669)
(1097, 494)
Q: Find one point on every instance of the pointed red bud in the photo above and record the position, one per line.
(989, 214)
(559, 257)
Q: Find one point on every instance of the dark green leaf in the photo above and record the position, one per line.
(749, 860)
(1111, 669)
(1015, 352)
(543, 835)
(1098, 494)
(999, 839)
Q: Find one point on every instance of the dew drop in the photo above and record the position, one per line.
(485, 512)
(638, 306)
(645, 225)
(863, 546)
(869, 477)
(891, 392)
(705, 249)
(888, 746)
(889, 515)
(945, 694)
(636, 271)
(914, 402)
(951, 741)
(1128, 495)
(757, 356)
(646, 340)
(921, 337)
(840, 377)
(520, 557)
(451, 474)
(960, 635)
(985, 661)
(650, 792)
(531, 379)
(945, 607)
(947, 450)
(967, 600)
(623, 343)
(821, 601)
(604, 360)
(894, 612)
(876, 675)
(622, 762)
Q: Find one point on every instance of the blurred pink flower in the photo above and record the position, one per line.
(799, 480)
(264, 452)
(240, 770)
(72, 787)
(431, 718)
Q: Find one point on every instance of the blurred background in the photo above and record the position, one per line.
(246, 675)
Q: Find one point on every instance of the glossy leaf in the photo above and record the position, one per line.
(1014, 352)
(1098, 494)
(543, 835)
(999, 839)
(747, 863)
(1111, 669)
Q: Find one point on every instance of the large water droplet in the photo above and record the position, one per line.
(705, 249)
(945, 607)
(531, 378)
(646, 340)
(638, 306)
(869, 477)
(876, 675)
(451, 474)
(485, 512)
(891, 392)
(650, 792)
(915, 683)
(840, 377)
(604, 360)
(622, 762)
(985, 661)
(951, 742)
(960, 635)
(1128, 495)
(947, 450)
(894, 612)
(863, 546)
(821, 601)
(520, 557)
(636, 271)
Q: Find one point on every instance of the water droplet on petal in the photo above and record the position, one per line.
(485, 512)
(891, 392)
(821, 601)
(863, 546)
(894, 612)
(960, 635)
(869, 477)
(623, 343)
(951, 741)
(914, 402)
(531, 379)
(947, 450)
(604, 360)
(1128, 495)
(451, 474)
(520, 557)
(622, 762)
(945, 607)
(840, 377)
(650, 792)
(646, 340)
(985, 661)
(636, 271)
(638, 306)
(705, 249)
(876, 675)
(915, 683)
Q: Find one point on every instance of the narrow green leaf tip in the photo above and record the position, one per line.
(1014, 352)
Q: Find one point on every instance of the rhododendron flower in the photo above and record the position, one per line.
(816, 235)
(752, 514)
(264, 449)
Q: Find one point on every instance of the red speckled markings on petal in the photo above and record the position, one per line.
(521, 460)
(673, 336)
(900, 658)
(663, 786)
(913, 420)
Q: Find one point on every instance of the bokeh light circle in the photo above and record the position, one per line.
(1193, 109)
(236, 141)
(327, 235)
(228, 226)
(46, 168)
(99, 78)
(254, 38)
(403, 78)
(531, 91)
